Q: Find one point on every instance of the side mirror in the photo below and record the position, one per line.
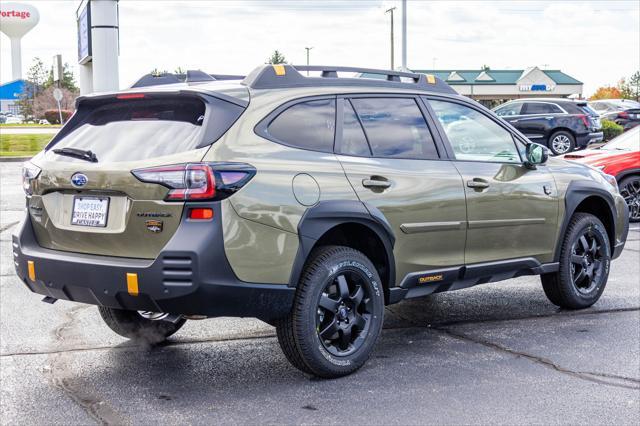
(536, 154)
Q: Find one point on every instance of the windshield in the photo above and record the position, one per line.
(626, 104)
(129, 130)
(628, 141)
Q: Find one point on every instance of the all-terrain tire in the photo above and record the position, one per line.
(132, 325)
(561, 287)
(341, 277)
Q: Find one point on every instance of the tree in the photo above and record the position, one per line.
(606, 92)
(631, 88)
(34, 84)
(277, 58)
(68, 80)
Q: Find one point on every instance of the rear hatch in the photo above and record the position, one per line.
(100, 207)
(591, 117)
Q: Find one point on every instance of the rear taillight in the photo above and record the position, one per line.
(623, 114)
(585, 120)
(30, 172)
(198, 181)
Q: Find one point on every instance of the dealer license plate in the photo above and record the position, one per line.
(90, 211)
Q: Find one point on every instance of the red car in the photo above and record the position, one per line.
(619, 158)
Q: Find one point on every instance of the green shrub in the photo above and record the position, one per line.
(611, 129)
(53, 116)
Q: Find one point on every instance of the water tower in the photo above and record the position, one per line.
(17, 19)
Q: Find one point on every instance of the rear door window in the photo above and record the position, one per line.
(136, 129)
(540, 108)
(395, 128)
(307, 125)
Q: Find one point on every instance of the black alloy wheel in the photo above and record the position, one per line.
(337, 313)
(587, 265)
(344, 314)
(630, 190)
(583, 267)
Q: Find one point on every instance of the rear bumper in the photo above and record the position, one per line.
(589, 138)
(191, 276)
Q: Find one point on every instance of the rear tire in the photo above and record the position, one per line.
(585, 258)
(630, 189)
(337, 314)
(562, 142)
(132, 325)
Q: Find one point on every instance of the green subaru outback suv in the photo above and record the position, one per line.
(307, 201)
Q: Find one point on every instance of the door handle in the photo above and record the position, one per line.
(376, 182)
(477, 183)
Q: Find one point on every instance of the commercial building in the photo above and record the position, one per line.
(10, 94)
(492, 87)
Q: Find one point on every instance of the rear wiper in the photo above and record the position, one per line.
(77, 153)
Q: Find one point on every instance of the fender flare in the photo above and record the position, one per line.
(577, 192)
(326, 215)
(623, 174)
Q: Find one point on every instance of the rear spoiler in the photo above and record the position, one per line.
(190, 77)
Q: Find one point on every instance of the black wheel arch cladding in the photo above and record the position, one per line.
(327, 215)
(577, 192)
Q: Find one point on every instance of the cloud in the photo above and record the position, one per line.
(235, 36)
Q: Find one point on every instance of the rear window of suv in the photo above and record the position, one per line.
(306, 125)
(135, 129)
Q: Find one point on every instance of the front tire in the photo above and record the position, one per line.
(132, 325)
(337, 314)
(630, 189)
(585, 258)
(561, 142)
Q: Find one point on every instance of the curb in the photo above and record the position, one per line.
(13, 159)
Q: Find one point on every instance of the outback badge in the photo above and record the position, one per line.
(430, 278)
(153, 225)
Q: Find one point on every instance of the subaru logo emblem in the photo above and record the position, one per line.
(79, 179)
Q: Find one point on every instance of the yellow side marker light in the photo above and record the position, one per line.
(431, 79)
(31, 266)
(279, 69)
(132, 284)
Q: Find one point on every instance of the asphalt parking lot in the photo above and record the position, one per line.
(498, 353)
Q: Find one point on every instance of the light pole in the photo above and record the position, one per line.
(404, 35)
(308, 49)
(390, 11)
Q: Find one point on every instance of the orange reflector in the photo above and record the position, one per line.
(279, 69)
(32, 270)
(200, 214)
(132, 284)
(431, 79)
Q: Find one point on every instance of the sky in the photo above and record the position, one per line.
(596, 42)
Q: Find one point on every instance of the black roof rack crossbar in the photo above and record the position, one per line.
(332, 72)
(287, 76)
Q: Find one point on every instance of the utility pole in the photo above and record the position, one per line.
(404, 35)
(390, 11)
(308, 49)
